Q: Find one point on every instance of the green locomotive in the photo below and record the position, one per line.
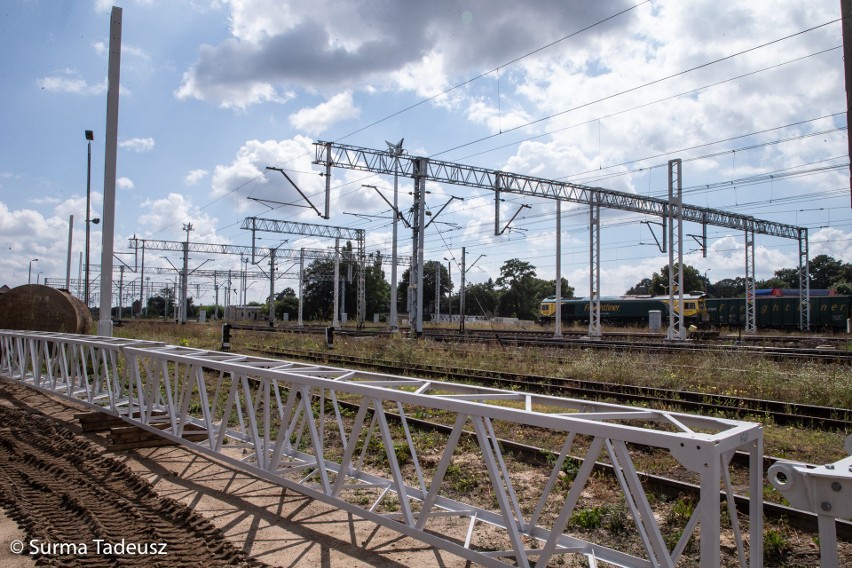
(624, 309)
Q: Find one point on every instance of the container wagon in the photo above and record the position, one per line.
(781, 312)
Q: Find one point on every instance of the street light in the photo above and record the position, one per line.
(30, 273)
(89, 137)
(394, 151)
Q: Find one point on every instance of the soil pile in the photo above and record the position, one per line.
(77, 506)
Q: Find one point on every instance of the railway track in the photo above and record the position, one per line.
(824, 349)
(661, 485)
(780, 412)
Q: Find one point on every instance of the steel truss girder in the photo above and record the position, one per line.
(307, 229)
(214, 248)
(286, 422)
(380, 162)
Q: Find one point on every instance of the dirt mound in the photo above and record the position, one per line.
(42, 308)
(80, 507)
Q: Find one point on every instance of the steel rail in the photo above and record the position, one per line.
(780, 411)
(264, 409)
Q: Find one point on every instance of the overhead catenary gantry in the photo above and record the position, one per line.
(672, 211)
(255, 224)
(185, 247)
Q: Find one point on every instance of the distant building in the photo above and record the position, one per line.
(4, 289)
(236, 313)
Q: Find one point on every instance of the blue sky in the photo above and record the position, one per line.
(749, 94)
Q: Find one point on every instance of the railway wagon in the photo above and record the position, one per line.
(623, 309)
(827, 312)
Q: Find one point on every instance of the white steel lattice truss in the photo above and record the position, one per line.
(289, 423)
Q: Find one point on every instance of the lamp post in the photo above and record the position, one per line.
(395, 151)
(30, 272)
(90, 135)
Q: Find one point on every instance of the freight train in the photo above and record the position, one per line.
(625, 309)
(774, 309)
(781, 311)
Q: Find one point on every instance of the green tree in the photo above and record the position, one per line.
(286, 302)
(643, 287)
(161, 304)
(548, 288)
(693, 281)
(824, 270)
(521, 290)
(376, 288)
(481, 299)
(729, 288)
(788, 276)
(318, 290)
(429, 269)
(773, 282)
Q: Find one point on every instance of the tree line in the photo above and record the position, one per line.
(517, 292)
(825, 272)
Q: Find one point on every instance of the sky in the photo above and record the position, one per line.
(749, 95)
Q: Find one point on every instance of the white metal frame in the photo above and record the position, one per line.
(824, 490)
(594, 271)
(286, 422)
(676, 330)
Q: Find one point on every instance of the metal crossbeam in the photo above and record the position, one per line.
(344, 437)
(380, 162)
(308, 229)
(215, 248)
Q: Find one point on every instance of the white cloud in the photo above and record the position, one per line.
(321, 117)
(831, 241)
(236, 96)
(195, 176)
(172, 212)
(139, 145)
(125, 183)
(276, 47)
(72, 83)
